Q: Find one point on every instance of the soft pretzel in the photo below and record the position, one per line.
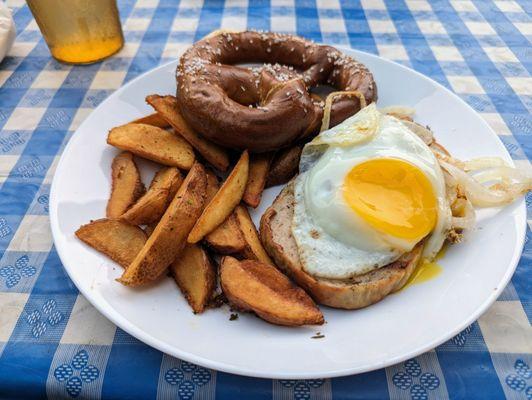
(269, 107)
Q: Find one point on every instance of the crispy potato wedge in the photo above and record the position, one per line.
(213, 185)
(195, 275)
(227, 237)
(284, 166)
(152, 119)
(150, 207)
(253, 249)
(126, 186)
(254, 286)
(153, 143)
(259, 166)
(119, 241)
(223, 202)
(169, 237)
(166, 106)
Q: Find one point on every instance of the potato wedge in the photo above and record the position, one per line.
(227, 238)
(223, 202)
(259, 166)
(153, 119)
(153, 143)
(119, 241)
(166, 106)
(284, 166)
(253, 249)
(126, 186)
(254, 286)
(213, 185)
(169, 237)
(195, 275)
(150, 207)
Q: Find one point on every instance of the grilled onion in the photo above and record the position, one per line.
(325, 121)
(512, 184)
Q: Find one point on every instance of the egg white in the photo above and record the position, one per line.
(333, 241)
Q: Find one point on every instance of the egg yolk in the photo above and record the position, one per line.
(393, 196)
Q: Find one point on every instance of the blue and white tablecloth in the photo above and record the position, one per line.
(54, 343)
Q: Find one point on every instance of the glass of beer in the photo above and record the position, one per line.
(79, 31)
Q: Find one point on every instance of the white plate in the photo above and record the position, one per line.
(401, 326)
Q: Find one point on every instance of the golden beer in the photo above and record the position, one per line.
(79, 31)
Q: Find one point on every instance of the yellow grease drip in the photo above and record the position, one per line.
(426, 270)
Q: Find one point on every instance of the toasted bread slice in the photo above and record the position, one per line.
(358, 292)
(255, 286)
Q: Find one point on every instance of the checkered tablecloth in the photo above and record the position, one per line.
(54, 343)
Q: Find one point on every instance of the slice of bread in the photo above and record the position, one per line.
(357, 292)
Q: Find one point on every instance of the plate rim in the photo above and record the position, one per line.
(124, 324)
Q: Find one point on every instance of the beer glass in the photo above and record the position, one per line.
(79, 31)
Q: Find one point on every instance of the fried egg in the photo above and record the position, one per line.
(369, 190)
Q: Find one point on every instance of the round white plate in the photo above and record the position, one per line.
(403, 325)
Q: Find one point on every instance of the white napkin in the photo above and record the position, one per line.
(7, 30)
